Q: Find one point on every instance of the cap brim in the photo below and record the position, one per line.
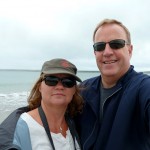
(62, 72)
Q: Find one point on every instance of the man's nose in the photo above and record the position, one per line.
(108, 50)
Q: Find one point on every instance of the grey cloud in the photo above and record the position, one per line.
(68, 33)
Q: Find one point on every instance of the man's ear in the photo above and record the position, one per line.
(130, 50)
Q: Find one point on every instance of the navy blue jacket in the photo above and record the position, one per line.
(126, 115)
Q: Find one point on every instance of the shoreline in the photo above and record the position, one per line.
(30, 70)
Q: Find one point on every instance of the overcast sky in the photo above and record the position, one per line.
(33, 31)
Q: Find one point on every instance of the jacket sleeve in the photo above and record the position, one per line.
(7, 129)
(149, 117)
(144, 96)
(22, 136)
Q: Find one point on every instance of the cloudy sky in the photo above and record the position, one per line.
(33, 31)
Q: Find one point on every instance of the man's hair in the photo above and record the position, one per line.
(112, 21)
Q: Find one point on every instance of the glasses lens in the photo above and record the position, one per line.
(51, 81)
(117, 44)
(68, 82)
(100, 46)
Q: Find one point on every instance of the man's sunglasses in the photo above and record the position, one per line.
(114, 44)
(68, 82)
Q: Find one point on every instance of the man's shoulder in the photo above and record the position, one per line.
(142, 77)
(137, 80)
(144, 80)
(91, 80)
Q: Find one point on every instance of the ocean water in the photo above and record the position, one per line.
(16, 84)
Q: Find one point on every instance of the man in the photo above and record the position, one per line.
(116, 114)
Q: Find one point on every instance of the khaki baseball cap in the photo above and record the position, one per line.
(60, 66)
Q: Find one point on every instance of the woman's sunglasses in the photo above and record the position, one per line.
(114, 44)
(53, 81)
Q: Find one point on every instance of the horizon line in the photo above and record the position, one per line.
(36, 70)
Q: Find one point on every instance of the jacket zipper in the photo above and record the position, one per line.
(105, 102)
(101, 118)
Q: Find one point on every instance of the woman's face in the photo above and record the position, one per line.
(57, 95)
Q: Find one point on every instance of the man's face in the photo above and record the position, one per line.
(112, 62)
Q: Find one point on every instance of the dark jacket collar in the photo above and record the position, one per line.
(92, 88)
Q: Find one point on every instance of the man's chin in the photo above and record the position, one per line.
(108, 73)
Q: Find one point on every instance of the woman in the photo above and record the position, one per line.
(46, 123)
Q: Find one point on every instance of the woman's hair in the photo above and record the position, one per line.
(34, 99)
(112, 21)
(74, 107)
